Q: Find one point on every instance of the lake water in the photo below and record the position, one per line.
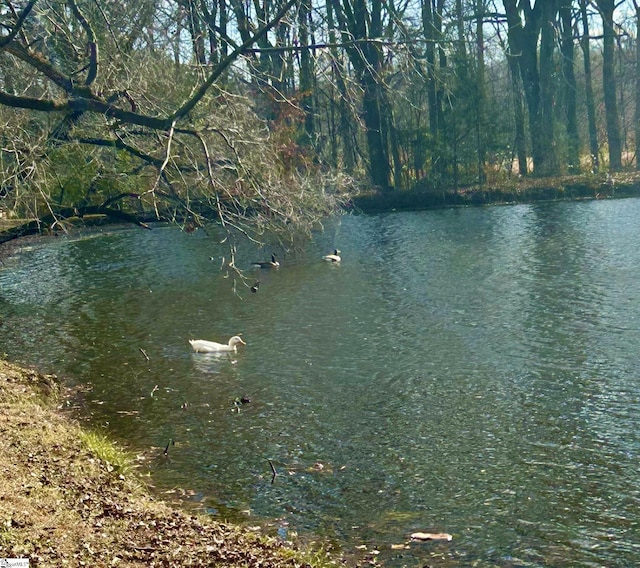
(469, 371)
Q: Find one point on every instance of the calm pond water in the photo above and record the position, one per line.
(469, 371)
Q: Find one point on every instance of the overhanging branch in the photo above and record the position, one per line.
(81, 99)
(6, 40)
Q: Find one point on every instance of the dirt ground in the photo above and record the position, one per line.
(61, 505)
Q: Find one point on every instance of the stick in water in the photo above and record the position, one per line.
(273, 470)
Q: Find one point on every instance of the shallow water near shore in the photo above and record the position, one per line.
(467, 371)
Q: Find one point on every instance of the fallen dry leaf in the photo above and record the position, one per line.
(431, 536)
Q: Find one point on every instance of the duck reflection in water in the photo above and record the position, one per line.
(273, 263)
(214, 363)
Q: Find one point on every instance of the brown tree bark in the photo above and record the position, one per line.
(538, 27)
(481, 100)
(636, 5)
(520, 137)
(549, 150)
(306, 69)
(360, 22)
(343, 105)
(570, 88)
(435, 60)
(606, 8)
(594, 147)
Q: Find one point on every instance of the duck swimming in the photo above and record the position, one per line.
(335, 257)
(203, 346)
(273, 263)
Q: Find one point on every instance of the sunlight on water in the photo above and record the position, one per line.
(469, 371)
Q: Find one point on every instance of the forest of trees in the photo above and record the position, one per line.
(268, 113)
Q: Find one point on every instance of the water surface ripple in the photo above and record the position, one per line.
(471, 371)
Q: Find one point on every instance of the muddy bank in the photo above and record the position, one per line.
(63, 505)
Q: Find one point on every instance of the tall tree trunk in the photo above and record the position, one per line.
(376, 98)
(264, 73)
(175, 45)
(394, 146)
(606, 8)
(242, 19)
(306, 69)
(345, 122)
(377, 142)
(523, 42)
(362, 20)
(430, 33)
(537, 78)
(594, 147)
(281, 61)
(224, 22)
(461, 48)
(550, 164)
(194, 23)
(637, 86)
(435, 61)
(462, 68)
(481, 89)
(520, 137)
(209, 16)
(568, 72)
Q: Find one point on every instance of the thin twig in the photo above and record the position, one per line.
(273, 470)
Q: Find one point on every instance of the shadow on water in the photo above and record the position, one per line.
(468, 371)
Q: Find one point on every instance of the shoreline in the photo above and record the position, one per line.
(510, 192)
(70, 497)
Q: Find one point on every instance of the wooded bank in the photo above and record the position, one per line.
(531, 190)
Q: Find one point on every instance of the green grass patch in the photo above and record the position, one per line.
(117, 459)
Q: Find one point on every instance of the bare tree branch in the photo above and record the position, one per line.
(92, 44)
(6, 40)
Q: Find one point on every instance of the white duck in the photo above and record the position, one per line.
(335, 257)
(203, 346)
(273, 263)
